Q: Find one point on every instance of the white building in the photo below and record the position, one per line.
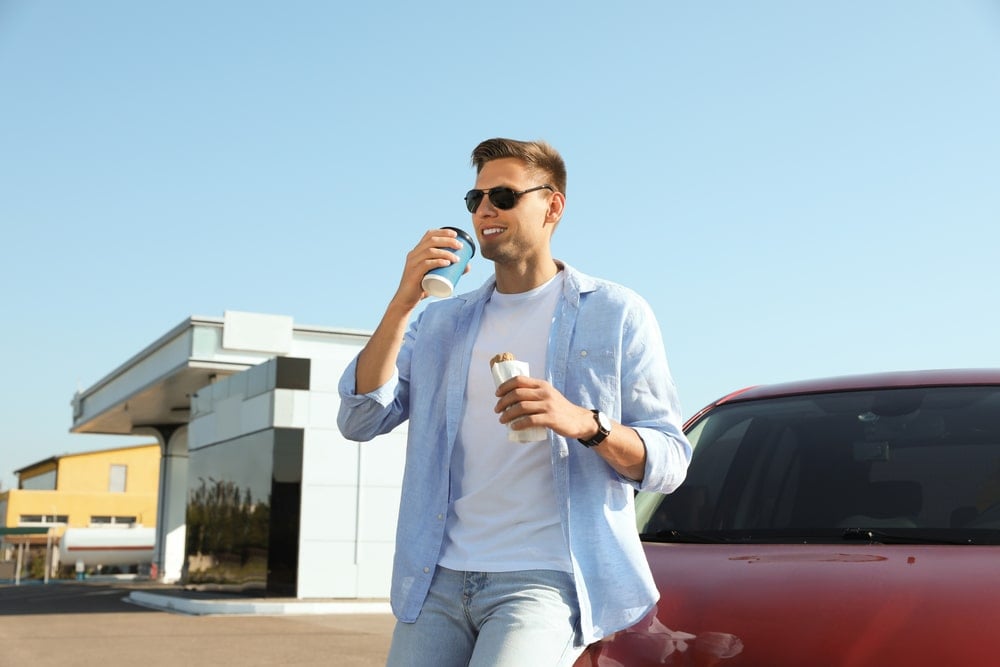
(244, 408)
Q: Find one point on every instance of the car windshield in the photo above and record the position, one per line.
(892, 465)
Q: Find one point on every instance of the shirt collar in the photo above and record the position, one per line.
(576, 283)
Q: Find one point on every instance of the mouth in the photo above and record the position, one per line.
(488, 232)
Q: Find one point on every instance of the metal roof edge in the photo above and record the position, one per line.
(190, 323)
(37, 464)
(189, 363)
(341, 331)
(185, 325)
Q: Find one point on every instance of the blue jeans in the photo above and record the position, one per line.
(494, 619)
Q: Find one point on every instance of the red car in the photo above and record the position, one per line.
(845, 522)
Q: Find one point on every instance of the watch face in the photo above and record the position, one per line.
(603, 421)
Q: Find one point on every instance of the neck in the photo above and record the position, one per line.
(524, 277)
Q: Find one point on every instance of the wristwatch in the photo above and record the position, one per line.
(603, 430)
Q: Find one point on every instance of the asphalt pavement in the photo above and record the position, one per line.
(85, 624)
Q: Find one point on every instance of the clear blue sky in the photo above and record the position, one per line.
(798, 188)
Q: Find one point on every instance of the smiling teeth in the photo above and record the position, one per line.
(491, 231)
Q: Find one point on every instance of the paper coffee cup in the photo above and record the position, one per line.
(441, 282)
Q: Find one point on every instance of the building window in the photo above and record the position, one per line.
(118, 474)
(112, 520)
(42, 519)
(43, 482)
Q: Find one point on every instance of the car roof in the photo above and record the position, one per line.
(892, 380)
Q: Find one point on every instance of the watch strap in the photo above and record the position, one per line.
(602, 432)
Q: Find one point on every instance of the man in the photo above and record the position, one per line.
(513, 554)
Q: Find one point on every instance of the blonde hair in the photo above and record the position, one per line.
(537, 155)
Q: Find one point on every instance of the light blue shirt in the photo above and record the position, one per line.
(605, 352)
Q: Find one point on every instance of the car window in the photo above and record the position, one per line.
(917, 464)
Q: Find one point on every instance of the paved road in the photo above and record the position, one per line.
(90, 624)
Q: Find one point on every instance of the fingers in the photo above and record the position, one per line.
(434, 250)
(524, 402)
(521, 396)
(441, 239)
(516, 382)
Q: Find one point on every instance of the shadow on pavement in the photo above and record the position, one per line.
(59, 597)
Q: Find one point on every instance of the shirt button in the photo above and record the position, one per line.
(583, 353)
(426, 570)
(440, 517)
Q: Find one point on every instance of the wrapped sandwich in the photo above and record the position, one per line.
(504, 366)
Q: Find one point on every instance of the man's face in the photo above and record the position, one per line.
(520, 233)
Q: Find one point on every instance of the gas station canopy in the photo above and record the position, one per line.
(154, 387)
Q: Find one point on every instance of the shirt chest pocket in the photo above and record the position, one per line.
(595, 374)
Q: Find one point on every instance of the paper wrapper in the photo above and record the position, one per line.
(503, 371)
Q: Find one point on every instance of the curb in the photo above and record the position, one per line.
(253, 607)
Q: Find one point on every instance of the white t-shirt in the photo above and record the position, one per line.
(503, 514)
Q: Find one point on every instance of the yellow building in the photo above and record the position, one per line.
(103, 488)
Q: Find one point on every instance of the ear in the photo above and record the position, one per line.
(557, 202)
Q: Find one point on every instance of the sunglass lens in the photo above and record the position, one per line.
(503, 198)
(473, 199)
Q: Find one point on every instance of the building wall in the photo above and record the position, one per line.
(90, 472)
(79, 508)
(349, 491)
(350, 502)
(242, 520)
(83, 488)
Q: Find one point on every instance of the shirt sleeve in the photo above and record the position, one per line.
(362, 417)
(650, 404)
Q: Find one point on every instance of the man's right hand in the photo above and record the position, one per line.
(430, 253)
(377, 361)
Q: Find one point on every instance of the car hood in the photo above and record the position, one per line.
(813, 605)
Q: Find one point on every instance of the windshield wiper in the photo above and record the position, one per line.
(908, 536)
(682, 537)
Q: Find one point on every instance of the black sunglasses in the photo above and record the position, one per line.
(503, 198)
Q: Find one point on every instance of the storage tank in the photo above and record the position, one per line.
(107, 546)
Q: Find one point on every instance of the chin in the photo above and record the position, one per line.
(493, 254)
